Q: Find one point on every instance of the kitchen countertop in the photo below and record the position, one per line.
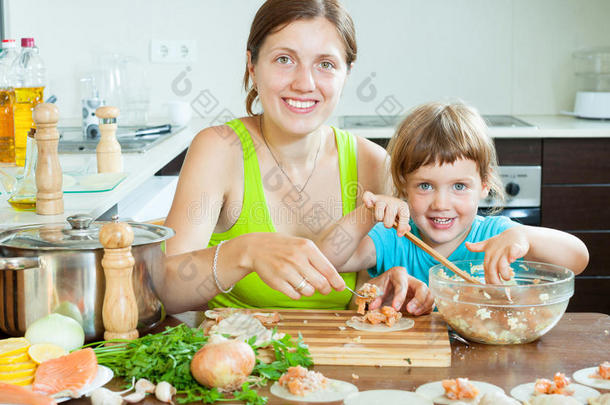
(546, 126)
(142, 166)
(505, 366)
(138, 166)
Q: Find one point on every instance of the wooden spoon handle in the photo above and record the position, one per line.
(428, 249)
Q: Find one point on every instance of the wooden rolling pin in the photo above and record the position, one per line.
(49, 194)
(108, 150)
(120, 309)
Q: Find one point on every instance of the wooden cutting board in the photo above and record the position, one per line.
(424, 345)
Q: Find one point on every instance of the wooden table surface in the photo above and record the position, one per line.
(578, 341)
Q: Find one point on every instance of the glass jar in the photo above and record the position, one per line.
(24, 196)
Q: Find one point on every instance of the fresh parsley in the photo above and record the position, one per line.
(167, 356)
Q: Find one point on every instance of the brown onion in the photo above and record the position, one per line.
(224, 365)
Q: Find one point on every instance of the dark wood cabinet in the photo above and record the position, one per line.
(519, 152)
(576, 199)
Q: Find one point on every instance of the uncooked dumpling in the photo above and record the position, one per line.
(555, 399)
(601, 400)
(497, 398)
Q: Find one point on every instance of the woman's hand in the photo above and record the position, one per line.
(388, 210)
(500, 251)
(400, 290)
(292, 265)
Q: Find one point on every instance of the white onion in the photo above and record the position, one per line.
(56, 329)
(224, 365)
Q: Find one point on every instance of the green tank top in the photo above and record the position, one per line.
(251, 291)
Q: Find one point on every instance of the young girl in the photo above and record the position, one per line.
(442, 162)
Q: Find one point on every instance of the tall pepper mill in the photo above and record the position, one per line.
(120, 309)
(108, 151)
(49, 195)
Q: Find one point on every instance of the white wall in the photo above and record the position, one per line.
(504, 56)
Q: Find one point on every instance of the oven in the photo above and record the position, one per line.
(522, 185)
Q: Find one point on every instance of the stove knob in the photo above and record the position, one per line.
(512, 189)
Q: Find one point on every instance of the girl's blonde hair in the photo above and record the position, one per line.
(437, 133)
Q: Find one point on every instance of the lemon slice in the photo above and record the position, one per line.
(6, 376)
(41, 352)
(18, 358)
(25, 365)
(21, 381)
(13, 346)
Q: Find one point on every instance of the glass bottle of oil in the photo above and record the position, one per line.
(24, 196)
(28, 74)
(8, 54)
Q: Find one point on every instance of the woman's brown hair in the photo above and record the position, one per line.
(437, 133)
(274, 15)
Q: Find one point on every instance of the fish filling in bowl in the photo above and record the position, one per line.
(519, 311)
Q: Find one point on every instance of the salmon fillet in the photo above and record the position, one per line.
(69, 373)
(14, 394)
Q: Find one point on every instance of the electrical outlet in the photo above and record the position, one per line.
(173, 51)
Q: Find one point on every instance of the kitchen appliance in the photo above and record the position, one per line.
(380, 121)
(90, 101)
(57, 267)
(592, 67)
(522, 186)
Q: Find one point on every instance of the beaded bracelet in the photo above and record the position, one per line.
(214, 269)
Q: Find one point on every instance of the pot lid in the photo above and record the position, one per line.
(79, 233)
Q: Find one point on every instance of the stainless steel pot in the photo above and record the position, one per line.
(58, 268)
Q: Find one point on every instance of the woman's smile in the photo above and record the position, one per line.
(299, 75)
(300, 106)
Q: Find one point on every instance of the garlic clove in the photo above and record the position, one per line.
(143, 385)
(134, 397)
(164, 392)
(103, 396)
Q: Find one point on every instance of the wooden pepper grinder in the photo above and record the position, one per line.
(119, 310)
(49, 195)
(109, 159)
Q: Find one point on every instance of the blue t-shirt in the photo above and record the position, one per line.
(394, 251)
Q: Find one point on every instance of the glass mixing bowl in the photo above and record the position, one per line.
(519, 311)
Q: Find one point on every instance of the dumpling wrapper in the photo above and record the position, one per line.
(603, 400)
(582, 376)
(386, 397)
(525, 392)
(497, 398)
(436, 392)
(554, 399)
(336, 390)
(401, 324)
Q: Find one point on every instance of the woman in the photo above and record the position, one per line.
(268, 183)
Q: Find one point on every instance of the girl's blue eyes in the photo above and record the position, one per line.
(283, 59)
(428, 186)
(327, 65)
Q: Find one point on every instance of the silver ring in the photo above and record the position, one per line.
(301, 285)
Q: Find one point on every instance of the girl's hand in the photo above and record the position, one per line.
(283, 262)
(500, 251)
(402, 291)
(388, 210)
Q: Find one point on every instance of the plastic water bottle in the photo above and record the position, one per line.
(28, 78)
(8, 54)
